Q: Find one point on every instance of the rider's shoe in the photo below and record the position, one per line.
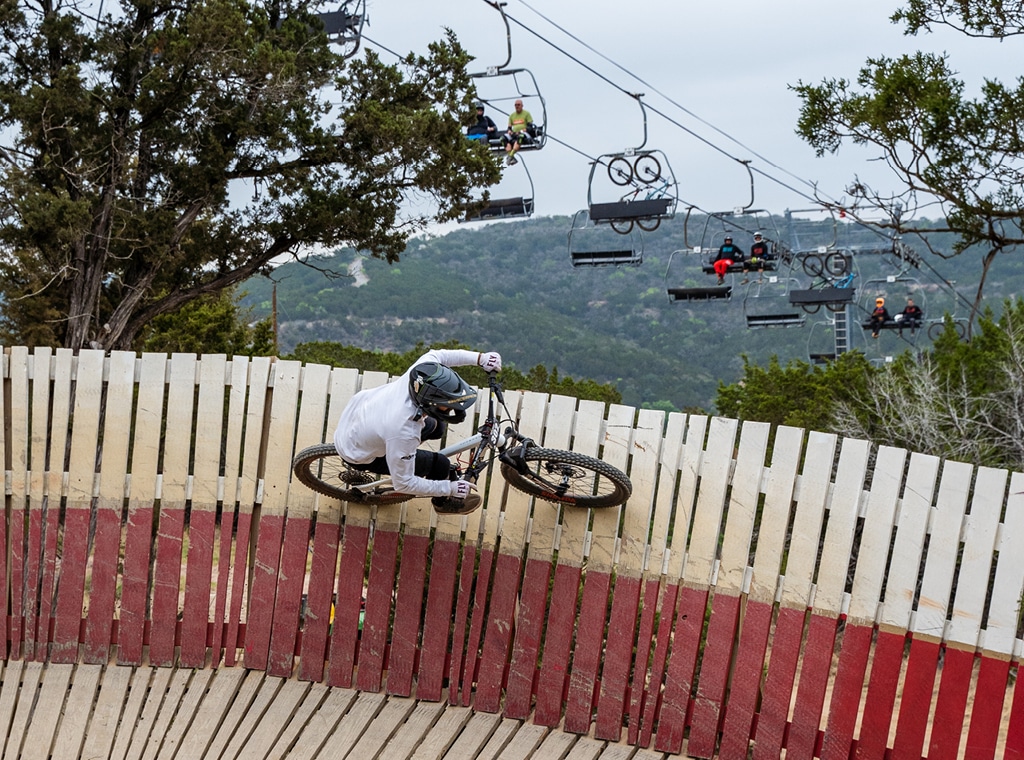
(446, 505)
(512, 160)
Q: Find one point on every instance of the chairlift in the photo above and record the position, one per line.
(821, 342)
(636, 187)
(740, 222)
(690, 293)
(832, 286)
(766, 303)
(493, 209)
(509, 85)
(597, 245)
(345, 26)
(894, 289)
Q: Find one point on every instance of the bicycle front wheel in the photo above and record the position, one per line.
(566, 477)
(321, 469)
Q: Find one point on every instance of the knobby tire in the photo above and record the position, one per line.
(321, 469)
(566, 477)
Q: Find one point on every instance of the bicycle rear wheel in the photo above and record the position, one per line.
(320, 468)
(567, 477)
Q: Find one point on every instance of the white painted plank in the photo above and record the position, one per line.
(75, 721)
(1008, 587)
(644, 454)
(441, 735)
(911, 527)
(30, 676)
(47, 710)
(215, 704)
(275, 720)
(408, 736)
(743, 502)
(103, 725)
(690, 465)
(322, 723)
(842, 519)
(943, 550)
(978, 554)
(774, 520)
(669, 458)
(478, 733)
(707, 520)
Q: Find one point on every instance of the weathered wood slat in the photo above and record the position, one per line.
(752, 647)
(40, 392)
(117, 427)
(202, 523)
(19, 455)
(76, 724)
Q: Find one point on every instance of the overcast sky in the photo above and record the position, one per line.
(727, 66)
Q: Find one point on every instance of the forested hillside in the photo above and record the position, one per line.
(511, 287)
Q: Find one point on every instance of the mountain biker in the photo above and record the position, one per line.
(381, 428)
(879, 316)
(728, 254)
(758, 255)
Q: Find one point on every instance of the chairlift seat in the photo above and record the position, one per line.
(339, 23)
(822, 358)
(821, 295)
(894, 324)
(606, 258)
(700, 294)
(791, 319)
(737, 267)
(640, 209)
(531, 141)
(504, 208)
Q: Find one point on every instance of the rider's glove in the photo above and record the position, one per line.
(461, 489)
(491, 361)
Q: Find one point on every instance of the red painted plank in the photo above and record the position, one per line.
(288, 600)
(476, 624)
(135, 583)
(437, 624)
(529, 632)
(31, 587)
(848, 685)
(880, 701)
(650, 706)
(345, 634)
(48, 578)
(557, 646)
(644, 642)
(773, 718)
(319, 600)
(810, 693)
(737, 728)
(714, 674)
(405, 635)
(380, 591)
(220, 604)
(498, 633)
(916, 700)
(18, 564)
(195, 615)
(987, 709)
(586, 657)
(239, 580)
(71, 586)
(951, 705)
(618, 657)
(463, 597)
(263, 591)
(166, 585)
(1015, 729)
(106, 554)
(681, 669)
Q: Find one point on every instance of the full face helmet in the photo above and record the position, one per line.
(440, 393)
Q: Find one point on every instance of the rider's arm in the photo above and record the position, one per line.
(401, 456)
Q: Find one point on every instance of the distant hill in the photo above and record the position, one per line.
(510, 286)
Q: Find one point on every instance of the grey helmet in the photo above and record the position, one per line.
(433, 385)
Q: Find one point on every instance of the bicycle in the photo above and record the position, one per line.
(646, 223)
(563, 477)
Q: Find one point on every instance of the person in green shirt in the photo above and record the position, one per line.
(519, 124)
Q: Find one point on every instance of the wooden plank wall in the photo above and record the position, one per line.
(763, 590)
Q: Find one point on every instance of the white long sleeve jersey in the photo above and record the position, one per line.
(380, 422)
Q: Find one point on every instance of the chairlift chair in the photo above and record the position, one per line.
(593, 245)
(345, 26)
(514, 207)
(766, 303)
(677, 293)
